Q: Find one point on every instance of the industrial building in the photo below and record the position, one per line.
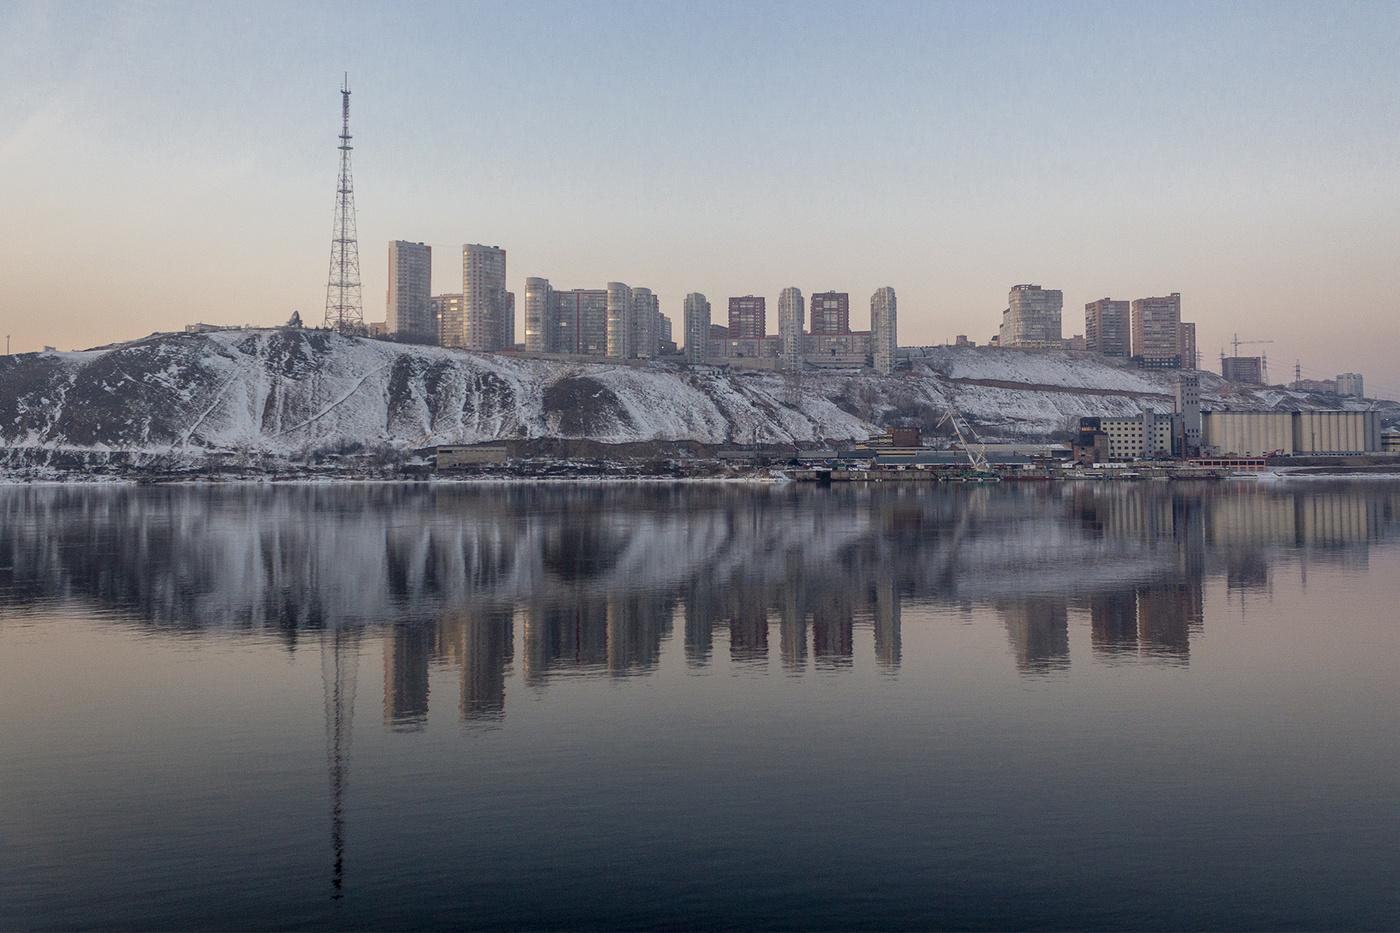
(1284, 433)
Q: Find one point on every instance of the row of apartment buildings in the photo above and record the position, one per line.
(829, 341)
(621, 321)
(1147, 330)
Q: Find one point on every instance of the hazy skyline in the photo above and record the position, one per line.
(165, 164)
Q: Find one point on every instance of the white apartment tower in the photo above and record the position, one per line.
(489, 318)
(697, 327)
(790, 321)
(1032, 318)
(409, 304)
(884, 339)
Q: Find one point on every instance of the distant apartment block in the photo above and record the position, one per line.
(748, 318)
(541, 317)
(1032, 318)
(790, 321)
(719, 340)
(1322, 386)
(409, 304)
(447, 312)
(883, 336)
(1108, 327)
(1075, 343)
(697, 327)
(830, 314)
(489, 323)
(1157, 332)
(583, 321)
(1189, 359)
(1246, 369)
(634, 322)
(1350, 384)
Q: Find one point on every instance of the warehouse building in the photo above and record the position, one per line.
(1284, 433)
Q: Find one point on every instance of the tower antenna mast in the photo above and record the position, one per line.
(344, 308)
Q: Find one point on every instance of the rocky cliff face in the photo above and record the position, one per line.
(290, 392)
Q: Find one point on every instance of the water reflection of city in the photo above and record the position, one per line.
(1143, 591)
(598, 582)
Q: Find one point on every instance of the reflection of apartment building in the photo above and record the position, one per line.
(1038, 628)
(407, 650)
(482, 644)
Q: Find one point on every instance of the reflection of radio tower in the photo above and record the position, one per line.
(340, 660)
(344, 311)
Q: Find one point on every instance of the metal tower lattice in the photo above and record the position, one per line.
(344, 308)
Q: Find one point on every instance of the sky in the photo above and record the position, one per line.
(166, 163)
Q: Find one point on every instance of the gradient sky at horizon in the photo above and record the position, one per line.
(165, 163)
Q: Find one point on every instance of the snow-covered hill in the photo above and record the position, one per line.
(290, 392)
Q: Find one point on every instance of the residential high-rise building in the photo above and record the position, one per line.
(646, 313)
(409, 309)
(1032, 320)
(620, 330)
(1108, 327)
(884, 341)
(830, 314)
(541, 317)
(583, 321)
(1246, 369)
(506, 323)
(451, 325)
(488, 318)
(697, 328)
(790, 328)
(665, 338)
(1350, 384)
(748, 318)
(1189, 359)
(1157, 332)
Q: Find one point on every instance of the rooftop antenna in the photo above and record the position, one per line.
(344, 310)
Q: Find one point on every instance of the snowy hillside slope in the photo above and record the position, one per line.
(287, 392)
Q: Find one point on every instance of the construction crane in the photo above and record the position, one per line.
(976, 454)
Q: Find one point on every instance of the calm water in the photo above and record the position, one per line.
(1136, 705)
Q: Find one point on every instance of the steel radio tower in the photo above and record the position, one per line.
(344, 310)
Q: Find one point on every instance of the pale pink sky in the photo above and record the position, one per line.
(164, 164)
